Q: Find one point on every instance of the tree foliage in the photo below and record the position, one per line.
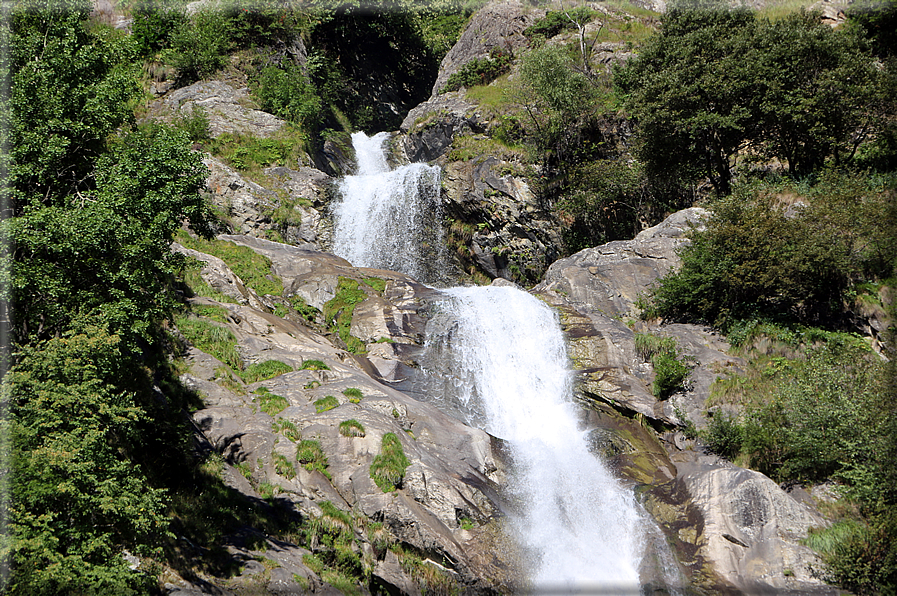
(718, 83)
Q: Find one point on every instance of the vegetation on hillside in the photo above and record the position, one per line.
(793, 124)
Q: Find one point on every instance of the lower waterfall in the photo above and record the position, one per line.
(502, 356)
(499, 360)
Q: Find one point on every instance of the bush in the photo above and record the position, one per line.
(200, 48)
(724, 435)
(480, 71)
(288, 93)
(663, 353)
(555, 22)
(388, 468)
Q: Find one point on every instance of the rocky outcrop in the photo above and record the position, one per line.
(499, 24)
(447, 507)
(226, 107)
(609, 278)
(430, 127)
(498, 225)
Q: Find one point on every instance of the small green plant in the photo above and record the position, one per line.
(303, 582)
(271, 403)
(307, 312)
(244, 469)
(310, 455)
(351, 428)
(268, 369)
(326, 403)
(663, 353)
(353, 392)
(284, 467)
(466, 523)
(313, 365)
(480, 71)
(724, 435)
(388, 468)
(268, 490)
(314, 563)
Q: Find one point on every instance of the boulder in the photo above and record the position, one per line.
(430, 127)
(224, 105)
(498, 24)
(611, 277)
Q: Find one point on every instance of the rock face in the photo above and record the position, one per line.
(430, 127)
(499, 24)
(733, 530)
(224, 105)
(454, 473)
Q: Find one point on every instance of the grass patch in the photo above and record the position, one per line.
(225, 377)
(268, 369)
(284, 467)
(663, 353)
(338, 313)
(287, 429)
(219, 314)
(211, 338)
(388, 468)
(353, 392)
(325, 403)
(251, 154)
(303, 309)
(467, 147)
(377, 283)
(271, 403)
(310, 455)
(191, 275)
(313, 365)
(351, 428)
(254, 269)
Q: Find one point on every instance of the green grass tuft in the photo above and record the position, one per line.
(284, 467)
(388, 468)
(325, 403)
(351, 428)
(353, 392)
(311, 456)
(313, 365)
(271, 403)
(213, 339)
(338, 313)
(268, 369)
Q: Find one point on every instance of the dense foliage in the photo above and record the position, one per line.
(718, 85)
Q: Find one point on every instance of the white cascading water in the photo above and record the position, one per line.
(389, 219)
(502, 353)
(499, 361)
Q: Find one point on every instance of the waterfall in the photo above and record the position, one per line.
(498, 361)
(390, 219)
(502, 356)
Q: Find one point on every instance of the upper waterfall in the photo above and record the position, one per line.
(390, 219)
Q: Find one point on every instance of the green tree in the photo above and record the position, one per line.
(813, 92)
(78, 498)
(689, 91)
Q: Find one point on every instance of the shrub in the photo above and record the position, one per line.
(663, 352)
(351, 428)
(724, 435)
(480, 71)
(287, 92)
(200, 48)
(388, 468)
(325, 403)
(555, 22)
